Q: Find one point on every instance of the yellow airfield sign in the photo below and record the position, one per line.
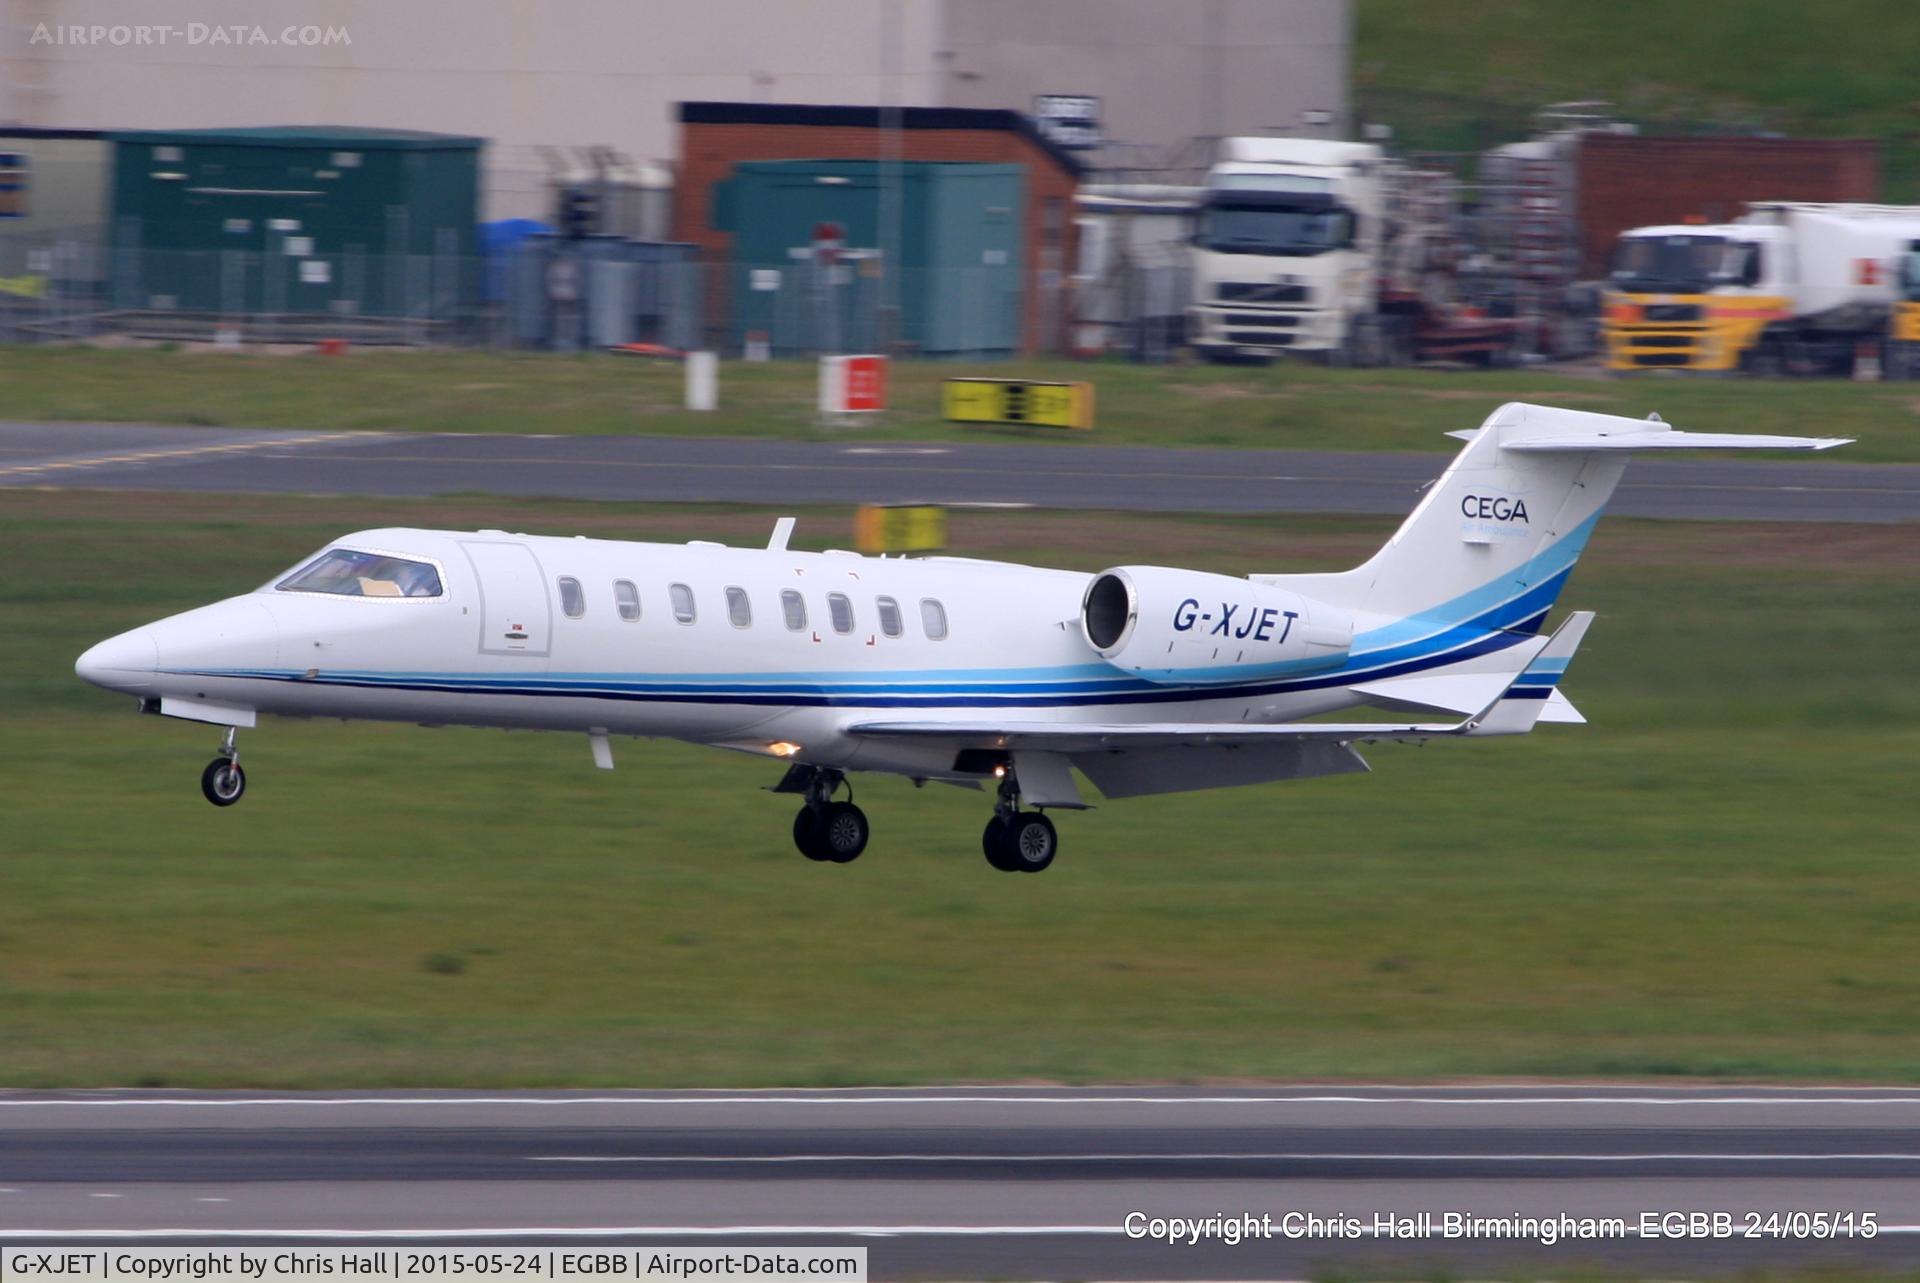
(879, 527)
(1047, 405)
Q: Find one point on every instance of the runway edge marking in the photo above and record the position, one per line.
(1304, 1099)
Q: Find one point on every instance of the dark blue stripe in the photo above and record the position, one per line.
(1498, 628)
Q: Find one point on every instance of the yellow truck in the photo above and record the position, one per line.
(1788, 288)
(1903, 338)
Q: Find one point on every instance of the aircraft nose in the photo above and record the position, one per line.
(123, 663)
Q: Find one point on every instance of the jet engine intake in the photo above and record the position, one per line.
(1183, 627)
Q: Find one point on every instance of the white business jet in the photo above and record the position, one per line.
(1146, 679)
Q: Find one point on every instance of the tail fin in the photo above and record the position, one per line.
(1494, 539)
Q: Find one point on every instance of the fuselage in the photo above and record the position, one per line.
(762, 650)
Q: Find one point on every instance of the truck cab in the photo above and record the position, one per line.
(1694, 296)
(1286, 248)
(1791, 287)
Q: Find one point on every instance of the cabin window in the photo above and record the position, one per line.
(739, 609)
(933, 619)
(573, 602)
(794, 607)
(682, 598)
(889, 615)
(627, 598)
(842, 611)
(345, 572)
(13, 184)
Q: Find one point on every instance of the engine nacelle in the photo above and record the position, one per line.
(1182, 627)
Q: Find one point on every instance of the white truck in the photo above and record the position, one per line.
(1286, 253)
(1790, 287)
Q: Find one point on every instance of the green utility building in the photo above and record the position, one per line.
(809, 240)
(296, 219)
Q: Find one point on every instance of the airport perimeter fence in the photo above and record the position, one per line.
(557, 295)
(68, 290)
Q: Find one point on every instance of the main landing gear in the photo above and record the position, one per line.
(1018, 841)
(831, 832)
(223, 781)
(828, 831)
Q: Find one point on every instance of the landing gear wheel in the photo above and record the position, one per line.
(223, 781)
(806, 829)
(1027, 843)
(840, 833)
(990, 840)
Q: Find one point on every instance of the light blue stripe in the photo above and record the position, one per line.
(1480, 615)
(1550, 561)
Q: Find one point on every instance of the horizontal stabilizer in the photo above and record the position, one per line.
(1669, 440)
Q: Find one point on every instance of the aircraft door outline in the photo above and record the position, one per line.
(516, 617)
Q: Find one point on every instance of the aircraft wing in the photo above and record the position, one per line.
(1538, 660)
(1094, 737)
(1129, 759)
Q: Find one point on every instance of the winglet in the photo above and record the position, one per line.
(1521, 704)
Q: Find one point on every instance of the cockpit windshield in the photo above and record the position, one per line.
(348, 572)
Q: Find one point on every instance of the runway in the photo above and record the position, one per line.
(1025, 1183)
(667, 469)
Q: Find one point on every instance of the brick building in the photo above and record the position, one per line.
(715, 136)
(1626, 181)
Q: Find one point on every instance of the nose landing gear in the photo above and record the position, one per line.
(828, 831)
(1017, 841)
(223, 782)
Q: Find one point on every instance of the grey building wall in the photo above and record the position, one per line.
(1166, 71)
(565, 74)
(571, 74)
(66, 185)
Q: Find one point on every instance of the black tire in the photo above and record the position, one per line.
(1029, 843)
(990, 840)
(223, 782)
(805, 829)
(841, 832)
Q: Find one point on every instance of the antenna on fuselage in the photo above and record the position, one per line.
(782, 531)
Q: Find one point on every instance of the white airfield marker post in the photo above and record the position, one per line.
(703, 380)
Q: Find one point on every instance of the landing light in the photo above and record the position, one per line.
(1000, 772)
(781, 748)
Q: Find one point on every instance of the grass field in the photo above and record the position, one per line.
(1463, 79)
(1281, 407)
(1715, 877)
